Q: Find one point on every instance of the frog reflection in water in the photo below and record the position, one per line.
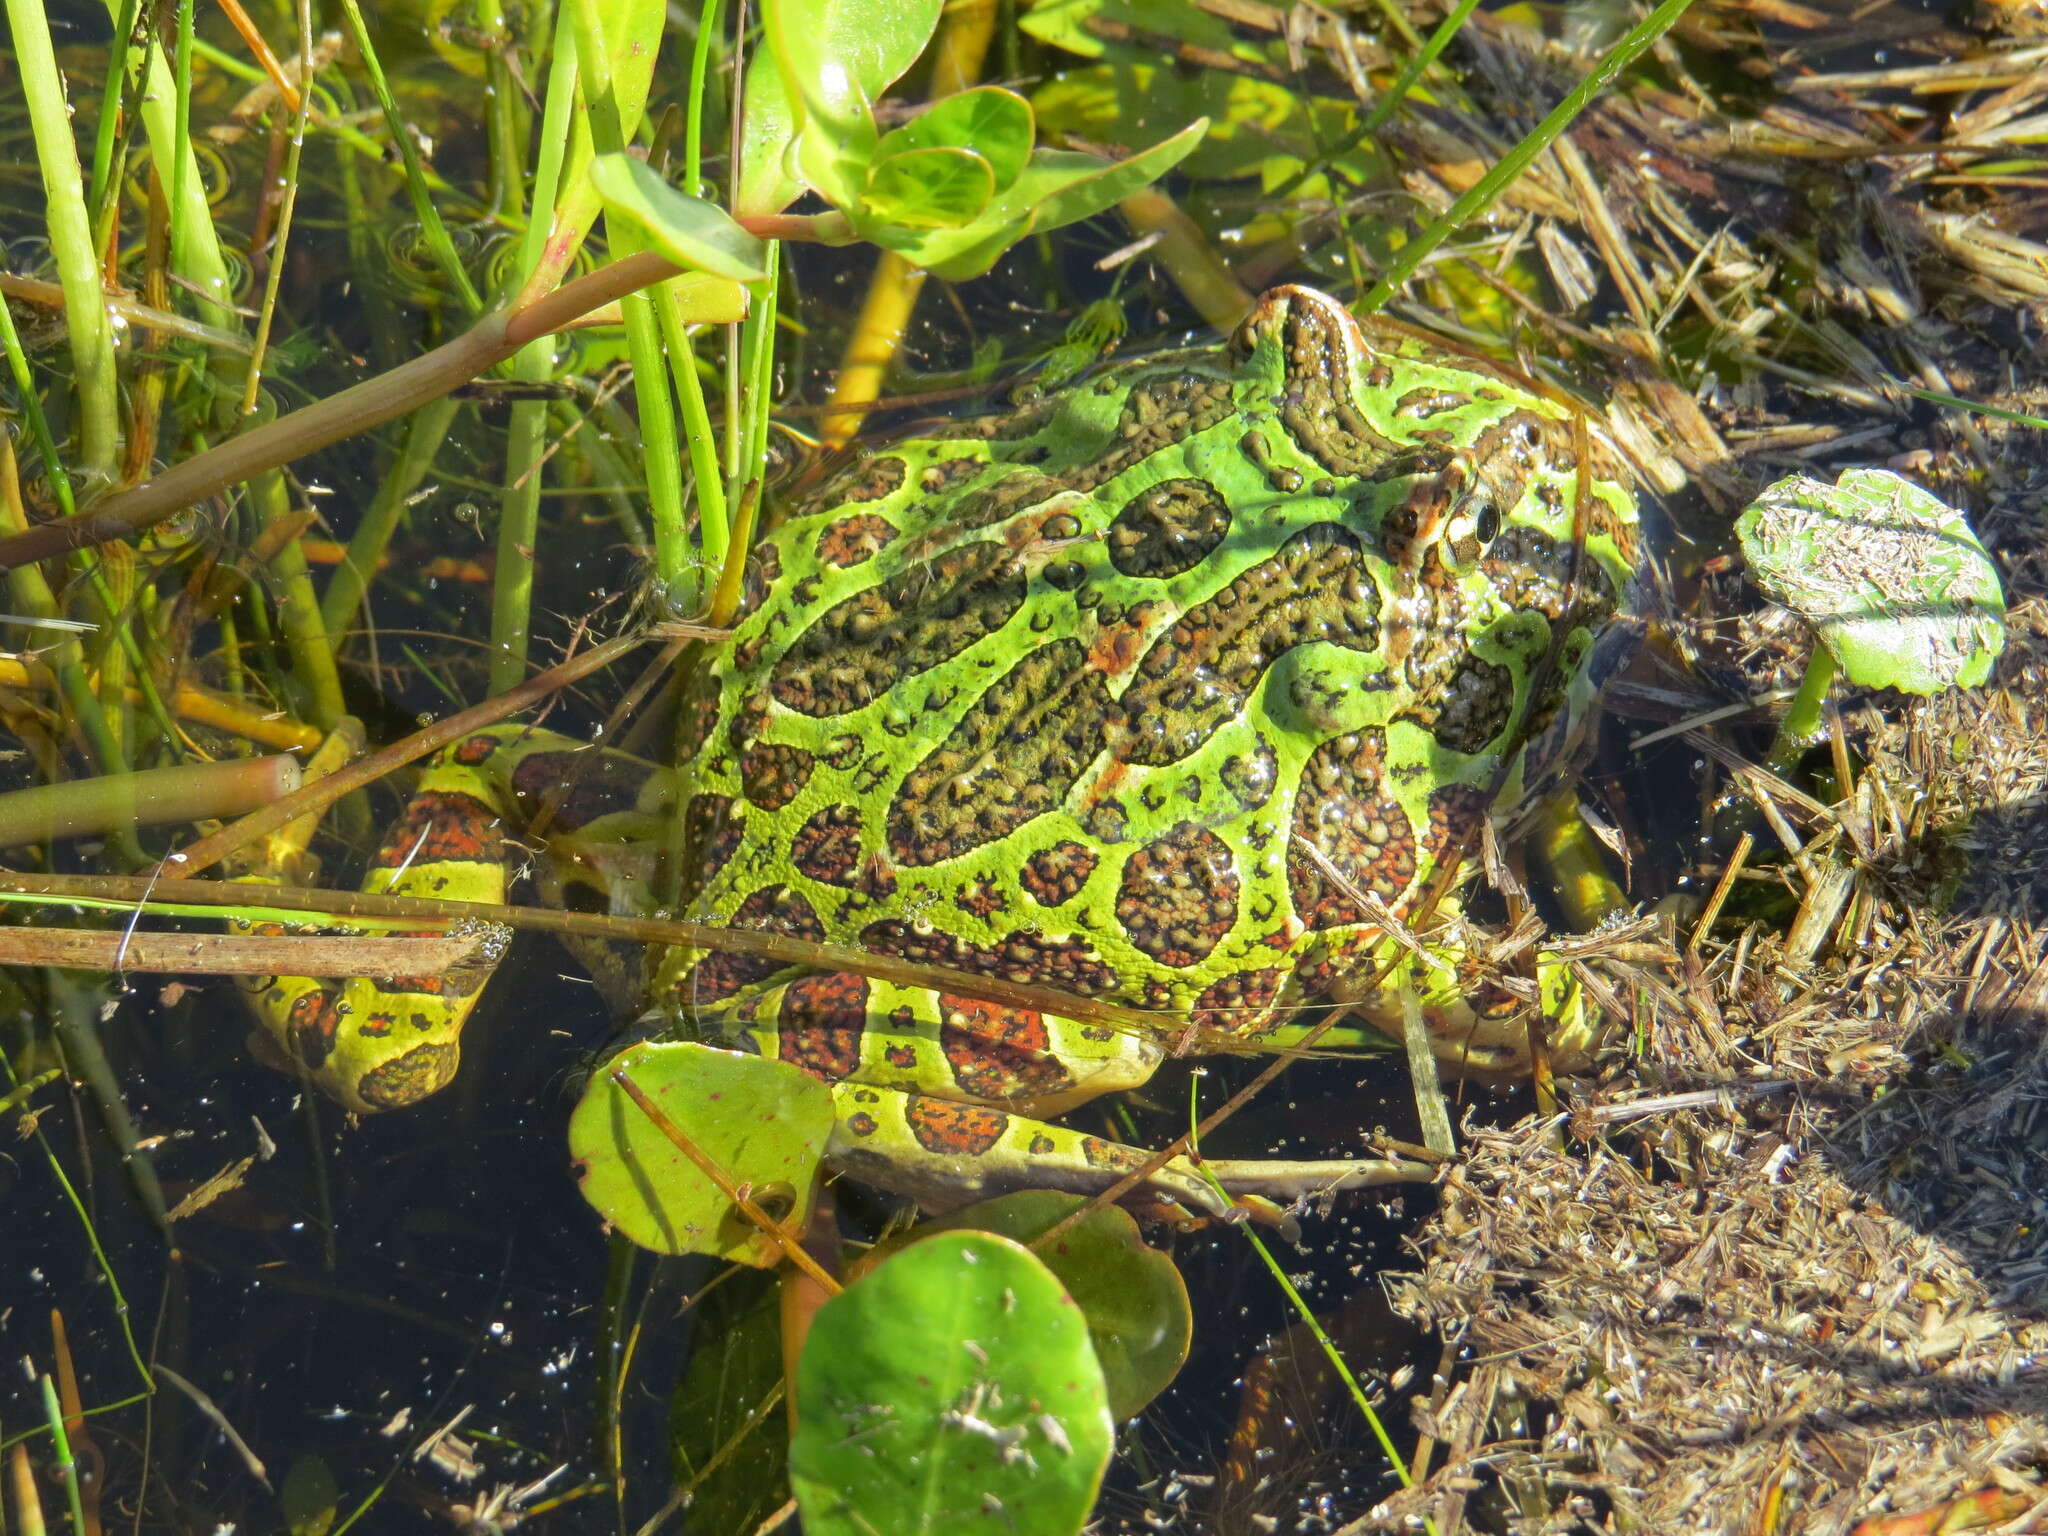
(1094, 695)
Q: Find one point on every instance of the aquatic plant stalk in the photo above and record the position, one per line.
(1800, 726)
(111, 802)
(71, 241)
(31, 595)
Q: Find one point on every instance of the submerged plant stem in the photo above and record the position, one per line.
(71, 240)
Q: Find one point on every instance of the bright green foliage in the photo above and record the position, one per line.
(930, 188)
(1128, 94)
(1133, 1297)
(996, 125)
(952, 1390)
(687, 230)
(1893, 580)
(950, 190)
(1097, 29)
(763, 1123)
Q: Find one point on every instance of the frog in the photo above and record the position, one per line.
(1178, 687)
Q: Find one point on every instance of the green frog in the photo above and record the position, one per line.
(1169, 689)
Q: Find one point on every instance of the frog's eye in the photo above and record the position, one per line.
(1486, 521)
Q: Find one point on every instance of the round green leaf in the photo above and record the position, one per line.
(763, 1123)
(687, 230)
(927, 189)
(1131, 1294)
(994, 123)
(1893, 580)
(952, 1390)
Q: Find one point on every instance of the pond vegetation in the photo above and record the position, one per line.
(415, 384)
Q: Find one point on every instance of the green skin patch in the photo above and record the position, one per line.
(1064, 697)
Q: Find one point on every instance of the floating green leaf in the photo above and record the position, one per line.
(842, 54)
(837, 57)
(1893, 579)
(1131, 1294)
(763, 1123)
(952, 1390)
(310, 1497)
(687, 230)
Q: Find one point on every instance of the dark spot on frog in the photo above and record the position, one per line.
(820, 1023)
(1342, 810)
(850, 541)
(1055, 875)
(870, 480)
(982, 900)
(1178, 897)
(771, 909)
(1065, 575)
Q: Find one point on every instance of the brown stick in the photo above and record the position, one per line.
(220, 954)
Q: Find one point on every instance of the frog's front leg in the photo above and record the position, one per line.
(376, 1043)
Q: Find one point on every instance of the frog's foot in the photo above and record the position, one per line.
(945, 1154)
(376, 1043)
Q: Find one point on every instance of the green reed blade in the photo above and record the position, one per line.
(71, 242)
(432, 230)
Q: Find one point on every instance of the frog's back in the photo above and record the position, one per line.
(1098, 693)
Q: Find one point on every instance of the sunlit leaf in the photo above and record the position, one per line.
(1131, 1294)
(1056, 187)
(1065, 187)
(763, 1123)
(704, 299)
(767, 131)
(927, 189)
(953, 1389)
(1892, 578)
(687, 230)
(997, 125)
(1093, 28)
(840, 55)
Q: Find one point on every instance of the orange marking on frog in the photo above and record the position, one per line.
(953, 1130)
(1103, 784)
(442, 827)
(314, 1018)
(999, 1053)
(1116, 649)
(820, 1024)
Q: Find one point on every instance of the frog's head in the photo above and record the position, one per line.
(1445, 449)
